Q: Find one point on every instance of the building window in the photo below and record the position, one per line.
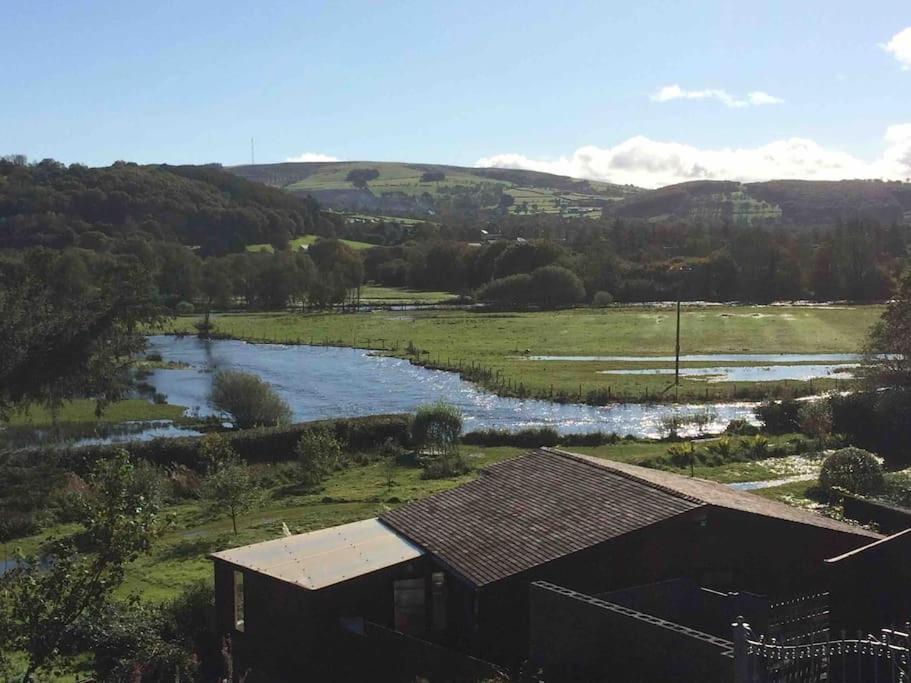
(438, 600)
(239, 601)
(410, 605)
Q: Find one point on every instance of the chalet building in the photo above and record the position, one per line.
(455, 585)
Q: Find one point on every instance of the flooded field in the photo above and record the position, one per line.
(326, 382)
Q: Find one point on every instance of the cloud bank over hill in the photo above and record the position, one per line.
(312, 156)
(651, 163)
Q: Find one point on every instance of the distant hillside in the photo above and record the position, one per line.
(788, 202)
(428, 189)
(57, 206)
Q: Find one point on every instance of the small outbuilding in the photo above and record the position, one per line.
(446, 580)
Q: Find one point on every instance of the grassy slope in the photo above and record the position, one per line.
(496, 341)
(83, 410)
(406, 178)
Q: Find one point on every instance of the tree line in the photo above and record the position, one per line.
(635, 262)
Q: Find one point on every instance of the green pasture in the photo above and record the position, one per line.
(83, 411)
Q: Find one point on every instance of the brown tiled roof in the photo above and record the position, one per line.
(549, 503)
(720, 495)
(524, 512)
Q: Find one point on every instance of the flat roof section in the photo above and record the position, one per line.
(326, 557)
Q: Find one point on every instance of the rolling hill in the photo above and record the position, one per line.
(788, 202)
(429, 189)
(425, 190)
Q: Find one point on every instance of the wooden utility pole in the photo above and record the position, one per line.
(677, 351)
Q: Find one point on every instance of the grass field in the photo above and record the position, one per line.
(497, 343)
(396, 295)
(304, 242)
(83, 410)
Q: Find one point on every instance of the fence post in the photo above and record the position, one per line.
(741, 631)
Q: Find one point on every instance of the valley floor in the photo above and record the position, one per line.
(497, 350)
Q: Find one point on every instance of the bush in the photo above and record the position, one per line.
(855, 470)
(318, 454)
(589, 439)
(512, 289)
(741, 428)
(447, 465)
(816, 419)
(602, 299)
(436, 428)
(780, 417)
(878, 421)
(524, 438)
(184, 308)
(249, 400)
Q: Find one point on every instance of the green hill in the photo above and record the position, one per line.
(427, 190)
(202, 206)
(789, 202)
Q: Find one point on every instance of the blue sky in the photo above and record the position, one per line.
(646, 92)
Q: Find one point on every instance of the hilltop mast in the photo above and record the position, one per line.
(252, 154)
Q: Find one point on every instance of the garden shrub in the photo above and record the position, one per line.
(853, 469)
(741, 427)
(780, 417)
(184, 308)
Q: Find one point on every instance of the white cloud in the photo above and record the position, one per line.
(313, 156)
(675, 92)
(652, 163)
(899, 46)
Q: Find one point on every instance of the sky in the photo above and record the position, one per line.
(649, 92)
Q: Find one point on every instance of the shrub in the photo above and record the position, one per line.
(754, 448)
(602, 299)
(532, 437)
(249, 400)
(447, 465)
(318, 454)
(741, 428)
(556, 286)
(436, 428)
(682, 455)
(853, 469)
(816, 419)
(512, 289)
(780, 417)
(589, 439)
(184, 307)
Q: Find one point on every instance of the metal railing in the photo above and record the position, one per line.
(885, 658)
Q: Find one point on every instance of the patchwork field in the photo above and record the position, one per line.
(494, 349)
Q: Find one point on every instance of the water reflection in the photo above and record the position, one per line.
(329, 382)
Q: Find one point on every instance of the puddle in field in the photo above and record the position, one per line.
(749, 373)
